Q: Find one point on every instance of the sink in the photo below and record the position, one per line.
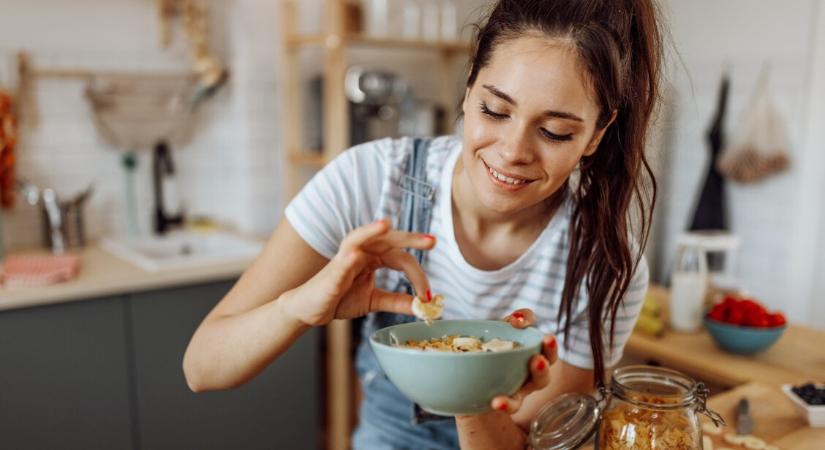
(182, 250)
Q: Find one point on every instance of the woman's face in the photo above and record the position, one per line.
(528, 119)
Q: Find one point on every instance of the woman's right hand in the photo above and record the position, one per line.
(345, 287)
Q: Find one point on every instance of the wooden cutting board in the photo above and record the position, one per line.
(776, 421)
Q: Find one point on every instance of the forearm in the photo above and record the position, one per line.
(490, 431)
(227, 351)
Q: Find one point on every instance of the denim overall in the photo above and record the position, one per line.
(388, 420)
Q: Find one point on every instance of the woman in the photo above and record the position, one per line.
(528, 212)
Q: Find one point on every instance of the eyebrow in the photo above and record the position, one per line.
(549, 113)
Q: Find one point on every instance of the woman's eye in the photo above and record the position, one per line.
(556, 137)
(489, 112)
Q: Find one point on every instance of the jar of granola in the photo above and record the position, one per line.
(644, 408)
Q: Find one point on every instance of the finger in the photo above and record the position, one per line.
(400, 239)
(359, 236)
(401, 260)
(550, 348)
(394, 302)
(521, 318)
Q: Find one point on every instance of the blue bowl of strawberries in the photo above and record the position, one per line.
(743, 326)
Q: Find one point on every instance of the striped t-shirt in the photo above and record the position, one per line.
(360, 186)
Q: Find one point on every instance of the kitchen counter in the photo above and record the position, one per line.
(774, 417)
(104, 274)
(796, 358)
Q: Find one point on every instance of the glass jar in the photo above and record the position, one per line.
(645, 408)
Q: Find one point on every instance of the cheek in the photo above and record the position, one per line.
(559, 163)
(476, 132)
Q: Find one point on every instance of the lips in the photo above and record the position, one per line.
(509, 181)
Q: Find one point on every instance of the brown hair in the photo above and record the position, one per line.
(619, 44)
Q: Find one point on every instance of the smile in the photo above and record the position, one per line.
(505, 180)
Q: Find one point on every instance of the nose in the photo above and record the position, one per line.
(518, 147)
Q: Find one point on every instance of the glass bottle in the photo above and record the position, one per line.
(688, 287)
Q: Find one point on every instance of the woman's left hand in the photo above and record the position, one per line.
(539, 365)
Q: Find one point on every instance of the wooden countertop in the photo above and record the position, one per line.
(775, 419)
(104, 274)
(798, 356)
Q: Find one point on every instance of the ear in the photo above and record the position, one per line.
(466, 99)
(597, 136)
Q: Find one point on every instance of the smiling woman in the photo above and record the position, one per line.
(527, 212)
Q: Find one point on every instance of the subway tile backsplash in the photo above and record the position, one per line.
(237, 130)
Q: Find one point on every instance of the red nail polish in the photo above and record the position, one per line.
(502, 406)
(429, 236)
(552, 344)
(540, 365)
(429, 296)
(518, 316)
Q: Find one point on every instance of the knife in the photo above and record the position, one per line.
(744, 421)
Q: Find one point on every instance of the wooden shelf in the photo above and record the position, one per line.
(360, 40)
(333, 41)
(304, 40)
(307, 158)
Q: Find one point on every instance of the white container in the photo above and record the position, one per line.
(411, 28)
(430, 20)
(688, 288)
(449, 21)
(378, 12)
(815, 415)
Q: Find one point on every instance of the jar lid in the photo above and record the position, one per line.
(567, 422)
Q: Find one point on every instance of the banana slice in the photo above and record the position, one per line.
(707, 443)
(497, 345)
(734, 439)
(466, 344)
(709, 428)
(753, 443)
(428, 311)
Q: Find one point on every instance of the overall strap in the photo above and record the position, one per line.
(416, 212)
(416, 194)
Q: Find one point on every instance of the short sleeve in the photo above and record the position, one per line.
(577, 351)
(338, 199)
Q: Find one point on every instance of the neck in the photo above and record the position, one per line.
(476, 219)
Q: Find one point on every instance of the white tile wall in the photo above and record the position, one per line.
(745, 36)
(229, 169)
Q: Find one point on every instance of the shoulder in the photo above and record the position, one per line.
(389, 156)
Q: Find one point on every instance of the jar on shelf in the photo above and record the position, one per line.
(644, 408)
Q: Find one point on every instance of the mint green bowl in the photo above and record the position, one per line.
(449, 383)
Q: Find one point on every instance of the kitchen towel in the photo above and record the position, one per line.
(38, 269)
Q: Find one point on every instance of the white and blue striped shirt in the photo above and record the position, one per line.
(357, 188)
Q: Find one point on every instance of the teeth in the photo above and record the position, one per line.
(505, 178)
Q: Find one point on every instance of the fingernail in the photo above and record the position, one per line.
(540, 365)
(429, 296)
(429, 236)
(552, 344)
(518, 316)
(502, 406)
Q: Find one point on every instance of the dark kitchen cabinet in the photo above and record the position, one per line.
(276, 410)
(107, 374)
(64, 379)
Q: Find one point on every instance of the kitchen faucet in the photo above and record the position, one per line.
(162, 165)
